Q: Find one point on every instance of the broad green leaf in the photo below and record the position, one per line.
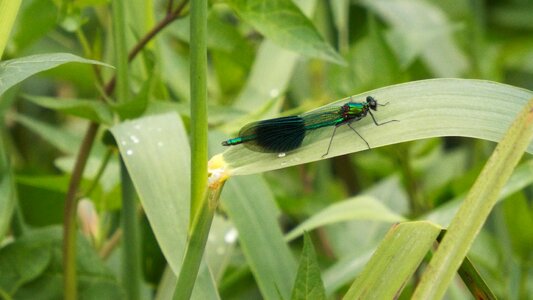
(421, 29)
(34, 20)
(20, 264)
(32, 266)
(260, 236)
(358, 208)
(396, 259)
(283, 23)
(308, 283)
(88, 109)
(16, 70)
(424, 109)
(155, 150)
(272, 69)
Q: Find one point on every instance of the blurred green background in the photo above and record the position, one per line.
(258, 70)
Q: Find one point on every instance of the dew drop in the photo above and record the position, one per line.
(231, 236)
(134, 139)
(129, 152)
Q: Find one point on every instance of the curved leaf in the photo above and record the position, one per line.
(395, 260)
(16, 70)
(428, 108)
(282, 22)
(358, 208)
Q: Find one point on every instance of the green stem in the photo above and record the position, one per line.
(69, 227)
(121, 52)
(196, 245)
(198, 104)
(8, 13)
(100, 172)
(69, 230)
(131, 259)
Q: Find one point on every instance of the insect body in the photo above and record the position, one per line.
(280, 135)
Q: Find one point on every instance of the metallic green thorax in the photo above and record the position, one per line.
(349, 112)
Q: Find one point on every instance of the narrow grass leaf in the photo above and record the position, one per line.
(358, 208)
(474, 282)
(522, 177)
(260, 236)
(8, 197)
(60, 139)
(308, 283)
(394, 262)
(475, 209)
(428, 108)
(88, 109)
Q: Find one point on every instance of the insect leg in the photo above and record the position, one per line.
(350, 125)
(379, 124)
(330, 140)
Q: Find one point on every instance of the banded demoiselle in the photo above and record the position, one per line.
(280, 135)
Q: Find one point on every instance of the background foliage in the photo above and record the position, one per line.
(264, 58)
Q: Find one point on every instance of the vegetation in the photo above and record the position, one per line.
(114, 183)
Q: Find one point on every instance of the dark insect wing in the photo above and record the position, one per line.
(274, 135)
(326, 116)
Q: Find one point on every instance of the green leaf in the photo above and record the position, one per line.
(308, 283)
(522, 177)
(283, 23)
(427, 108)
(32, 266)
(421, 29)
(88, 109)
(61, 139)
(395, 261)
(518, 216)
(155, 150)
(474, 282)
(260, 236)
(271, 71)
(16, 70)
(358, 208)
(134, 107)
(474, 211)
(345, 270)
(7, 190)
(21, 263)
